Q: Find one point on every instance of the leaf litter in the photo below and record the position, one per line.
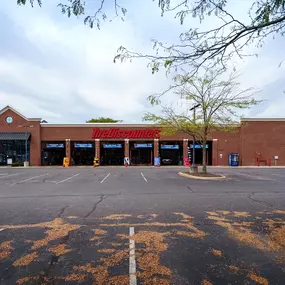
(5, 249)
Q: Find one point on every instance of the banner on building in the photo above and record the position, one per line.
(83, 145)
(143, 145)
(169, 146)
(55, 145)
(118, 145)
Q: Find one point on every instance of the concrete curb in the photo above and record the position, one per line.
(201, 178)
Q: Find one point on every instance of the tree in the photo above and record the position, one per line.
(218, 102)
(216, 45)
(103, 120)
(196, 47)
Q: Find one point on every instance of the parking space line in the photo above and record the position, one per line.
(9, 175)
(132, 267)
(143, 177)
(3, 173)
(105, 177)
(67, 178)
(2, 230)
(252, 176)
(31, 178)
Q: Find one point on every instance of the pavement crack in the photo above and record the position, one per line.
(259, 201)
(102, 198)
(62, 211)
(190, 189)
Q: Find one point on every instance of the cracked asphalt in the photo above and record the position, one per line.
(77, 226)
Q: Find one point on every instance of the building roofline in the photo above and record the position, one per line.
(263, 120)
(101, 125)
(18, 113)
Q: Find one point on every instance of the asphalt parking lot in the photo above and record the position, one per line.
(141, 226)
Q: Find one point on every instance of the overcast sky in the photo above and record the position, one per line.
(60, 70)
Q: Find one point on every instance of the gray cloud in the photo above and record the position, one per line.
(56, 68)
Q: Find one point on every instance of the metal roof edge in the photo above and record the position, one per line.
(86, 125)
(8, 107)
(34, 119)
(263, 120)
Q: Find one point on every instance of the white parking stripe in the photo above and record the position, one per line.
(31, 178)
(253, 176)
(105, 177)
(67, 178)
(9, 175)
(2, 230)
(3, 173)
(143, 177)
(132, 266)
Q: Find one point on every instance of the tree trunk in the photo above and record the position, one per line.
(204, 169)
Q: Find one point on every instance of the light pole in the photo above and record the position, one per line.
(26, 163)
(194, 168)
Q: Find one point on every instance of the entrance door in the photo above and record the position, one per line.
(199, 153)
(53, 153)
(82, 153)
(141, 153)
(112, 153)
(171, 153)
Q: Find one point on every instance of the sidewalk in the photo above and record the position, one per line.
(163, 167)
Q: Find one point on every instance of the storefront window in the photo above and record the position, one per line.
(53, 153)
(82, 153)
(15, 149)
(171, 152)
(112, 153)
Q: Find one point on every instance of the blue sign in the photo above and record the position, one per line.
(83, 145)
(198, 146)
(156, 161)
(143, 145)
(118, 145)
(55, 145)
(169, 146)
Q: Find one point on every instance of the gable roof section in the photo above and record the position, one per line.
(18, 113)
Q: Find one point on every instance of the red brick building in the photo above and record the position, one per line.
(254, 140)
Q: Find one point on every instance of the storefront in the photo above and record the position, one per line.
(199, 152)
(171, 152)
(53, 153)
(82, 153)
(134, 144)
(13, 147)
(112, 153)
(141, 153)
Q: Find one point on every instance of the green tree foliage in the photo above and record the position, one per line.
(218, 102)
(103, 120)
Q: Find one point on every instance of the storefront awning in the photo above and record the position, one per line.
(14, 136)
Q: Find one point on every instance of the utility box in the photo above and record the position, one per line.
(233, 159)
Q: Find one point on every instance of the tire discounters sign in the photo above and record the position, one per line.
(115, 133)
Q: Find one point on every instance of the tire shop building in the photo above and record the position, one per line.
(256, 141)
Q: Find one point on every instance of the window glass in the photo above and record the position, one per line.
(14, 149)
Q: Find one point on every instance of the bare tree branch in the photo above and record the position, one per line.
(218, 102)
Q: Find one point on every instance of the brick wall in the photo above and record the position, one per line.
(264, 137)
(35, 143)
(225, 143)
